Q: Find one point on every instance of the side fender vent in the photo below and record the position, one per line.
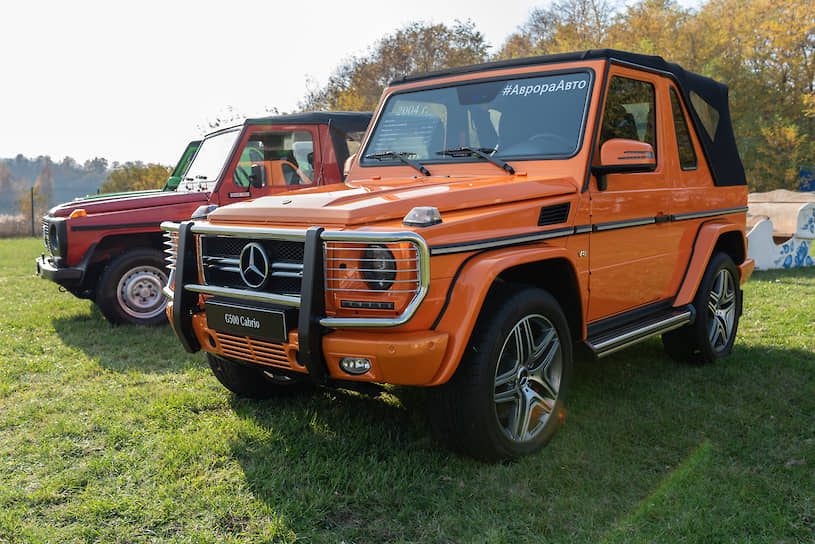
(552, 215)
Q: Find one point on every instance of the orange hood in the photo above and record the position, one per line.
(367, 202)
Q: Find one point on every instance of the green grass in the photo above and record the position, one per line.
(115, 434)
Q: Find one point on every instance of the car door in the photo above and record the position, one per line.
(283, 156)
(633, 246)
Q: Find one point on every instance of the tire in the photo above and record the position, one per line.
(718, 309)
(253, 382)
(130, 288)
(499, 405)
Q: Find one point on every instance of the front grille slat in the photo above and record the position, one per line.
(171, 249)
(254, 350)
(220, 257)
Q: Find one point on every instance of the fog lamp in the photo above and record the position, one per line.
(355, 365)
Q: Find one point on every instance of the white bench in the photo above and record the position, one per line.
(783, 229)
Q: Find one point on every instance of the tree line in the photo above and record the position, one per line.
(764, 50)
(41, 182)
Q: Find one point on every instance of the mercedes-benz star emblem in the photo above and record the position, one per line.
(254, 265)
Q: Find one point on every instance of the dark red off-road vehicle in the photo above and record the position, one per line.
(110, 249)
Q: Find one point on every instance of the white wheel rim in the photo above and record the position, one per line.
(139, 292)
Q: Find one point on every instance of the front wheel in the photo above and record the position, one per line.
(130, 288)
(507, 396)
(718, 307)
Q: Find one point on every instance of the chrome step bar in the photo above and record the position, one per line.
(617, 339)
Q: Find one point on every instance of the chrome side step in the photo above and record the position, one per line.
(614, 340)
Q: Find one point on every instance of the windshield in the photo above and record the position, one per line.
(202, 174)
(539, 117)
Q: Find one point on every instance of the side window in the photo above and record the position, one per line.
(285, 158)
(630, 111)
(687, 156)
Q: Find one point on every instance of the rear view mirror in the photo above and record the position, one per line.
(627, 154)
(257, 178)
(618, 156)
(348, 162)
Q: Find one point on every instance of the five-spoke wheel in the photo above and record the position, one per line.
(527, 378)
(718, 308)
(506, 398)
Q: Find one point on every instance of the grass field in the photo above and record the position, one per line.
(115, 434)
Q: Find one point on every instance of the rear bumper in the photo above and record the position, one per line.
(746, 270)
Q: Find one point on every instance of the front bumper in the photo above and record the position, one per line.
(317, 343)
(67, 277)
(400, 358)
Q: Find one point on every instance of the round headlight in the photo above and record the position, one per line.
(53, 239)
(378, 267)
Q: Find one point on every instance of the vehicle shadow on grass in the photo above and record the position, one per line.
(121, 348)
(338, 465)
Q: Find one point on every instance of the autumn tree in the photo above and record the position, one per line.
(358, 83)
(34, 197)
(45, 179)
(765, 51)
(135, 176)
(657, 27)
(566, 25)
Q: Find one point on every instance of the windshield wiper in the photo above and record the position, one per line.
(401, 156)
(465, 151)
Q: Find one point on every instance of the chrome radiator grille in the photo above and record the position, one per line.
(45, 237)
(221, 263)
(171, 249)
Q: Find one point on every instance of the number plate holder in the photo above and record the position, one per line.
(264, 321)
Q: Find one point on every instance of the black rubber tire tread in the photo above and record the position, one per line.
(250, 382)
(690, 344)
(462, 410)
(109, 280)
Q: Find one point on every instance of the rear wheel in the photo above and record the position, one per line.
(253, 382)
(718, 305)
(507, 396)
(130, 288)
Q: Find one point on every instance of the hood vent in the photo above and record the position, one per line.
(552, 215)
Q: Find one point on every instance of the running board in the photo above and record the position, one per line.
(613, 340)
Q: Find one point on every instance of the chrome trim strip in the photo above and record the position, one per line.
(464, 247)
(598, 227)
(615, 344)
(407, 315)
(289, 235)
(170, 226)
(582, 229)
(167, 292)
(709, 213)
(285, 300)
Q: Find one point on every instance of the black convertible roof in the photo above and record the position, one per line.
(710, 115)
(346, 121)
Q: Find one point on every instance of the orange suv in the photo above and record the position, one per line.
(495, 216)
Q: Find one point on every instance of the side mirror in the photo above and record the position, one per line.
(348, 162)
(172, 183)
(618, 156)
(257, 178)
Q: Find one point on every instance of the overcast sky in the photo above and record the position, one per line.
(136, 80)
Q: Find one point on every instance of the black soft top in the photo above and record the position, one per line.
(710, 115)
(345, 121)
